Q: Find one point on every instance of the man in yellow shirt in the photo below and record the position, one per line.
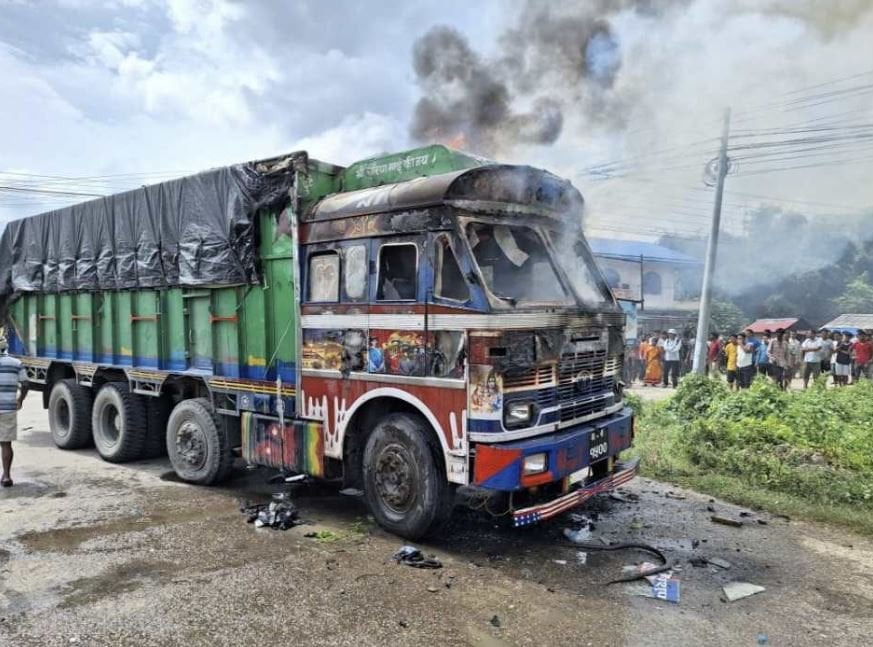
(730, 352)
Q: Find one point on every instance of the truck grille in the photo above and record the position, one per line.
(586, 383)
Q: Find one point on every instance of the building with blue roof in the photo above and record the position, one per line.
(664, 282)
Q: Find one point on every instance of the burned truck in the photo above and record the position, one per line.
(407, 325)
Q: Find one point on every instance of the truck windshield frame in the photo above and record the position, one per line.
(590, 292)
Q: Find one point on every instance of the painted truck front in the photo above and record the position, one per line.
(423, 321)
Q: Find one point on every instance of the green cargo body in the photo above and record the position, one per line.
(245, 331)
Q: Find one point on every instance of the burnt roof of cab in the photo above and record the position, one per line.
(524, 188)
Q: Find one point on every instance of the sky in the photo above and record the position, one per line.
(105, 95)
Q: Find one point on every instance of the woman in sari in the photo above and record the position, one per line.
(653, 363)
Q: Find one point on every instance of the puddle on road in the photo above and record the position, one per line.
(123, 578)
(67, 540)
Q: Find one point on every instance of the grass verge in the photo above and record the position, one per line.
(805, 455)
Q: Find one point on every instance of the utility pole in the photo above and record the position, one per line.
(699, 365)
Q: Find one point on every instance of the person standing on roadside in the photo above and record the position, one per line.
(672, 355)
(795, 357)
(777, 354)
(863, 355)
(811, 348)
(730, 354)
(13, 390)
(842, 366)
(713, 351)
(762, 357)
(745, 362)
(827, 350)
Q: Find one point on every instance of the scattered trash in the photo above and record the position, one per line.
(738, 590)
(432, 589)
(280, 514)
(352, 491)
(636, 524)
(698, 562)
(726, 521)
(495, 621)
(675, 495)
(412, 556)
(578, 536)
(710, 508)
(666, 587)
(715, 561)
(577, 517)
(560, 562)
(322, 535)
(762, 639)
(403, 623)
(581, 558)
(762, 522)
(745, 514)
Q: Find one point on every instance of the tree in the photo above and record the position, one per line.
(857, 298)
(725, 317)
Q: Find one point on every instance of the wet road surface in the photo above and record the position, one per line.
(100, 554)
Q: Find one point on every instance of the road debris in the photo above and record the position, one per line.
(715, 561)
(322, 535)
(675, 495)
(412, 556)
(578, 536)
(734, 591)
(495, 621)
(581, 557)
(664, 585)
(560, 562)
(279, 514)
(726, 521)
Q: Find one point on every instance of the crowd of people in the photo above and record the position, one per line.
(662, 357)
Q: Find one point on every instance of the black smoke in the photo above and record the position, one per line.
(554, 60)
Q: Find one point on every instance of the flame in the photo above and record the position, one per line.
(458, 141)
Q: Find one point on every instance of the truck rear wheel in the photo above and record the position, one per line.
(70, 415)
(197, 445)
(119, 423)
(404, 485)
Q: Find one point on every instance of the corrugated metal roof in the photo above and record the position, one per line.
(633, 249)
(861, 321)
(762, 325)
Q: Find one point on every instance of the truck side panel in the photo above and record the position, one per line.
(245, 332)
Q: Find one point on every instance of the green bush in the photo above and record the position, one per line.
(815, 445)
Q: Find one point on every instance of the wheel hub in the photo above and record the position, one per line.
(395, 478)
(191, 444)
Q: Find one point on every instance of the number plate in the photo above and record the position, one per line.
(598, 445)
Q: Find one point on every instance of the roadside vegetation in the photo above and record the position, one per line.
(807, 454)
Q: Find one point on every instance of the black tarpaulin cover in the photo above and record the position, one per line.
(197, 230)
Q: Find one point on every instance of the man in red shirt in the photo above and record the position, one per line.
(712, 353)
(862, 353)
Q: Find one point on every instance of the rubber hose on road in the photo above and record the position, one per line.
(666, 564)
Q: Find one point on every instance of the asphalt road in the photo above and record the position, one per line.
(100, 554)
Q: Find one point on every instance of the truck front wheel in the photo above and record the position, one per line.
(404, 484)
(197, 444)
(70, 415)
(119, 423)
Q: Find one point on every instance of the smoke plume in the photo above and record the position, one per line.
(550, 62)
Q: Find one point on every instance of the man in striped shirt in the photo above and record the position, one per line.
(13, 389)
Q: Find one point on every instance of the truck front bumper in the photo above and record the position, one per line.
(580, 461)
(623, 473)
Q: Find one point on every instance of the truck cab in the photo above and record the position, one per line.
(458, 318)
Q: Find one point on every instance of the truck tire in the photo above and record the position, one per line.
(158, 413)
(119, 423)
(404, 484)
(197, 445)
(70, 414)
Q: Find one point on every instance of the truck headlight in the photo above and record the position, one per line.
(517, 414)
(535, 463)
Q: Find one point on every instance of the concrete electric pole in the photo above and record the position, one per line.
(699, 365)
